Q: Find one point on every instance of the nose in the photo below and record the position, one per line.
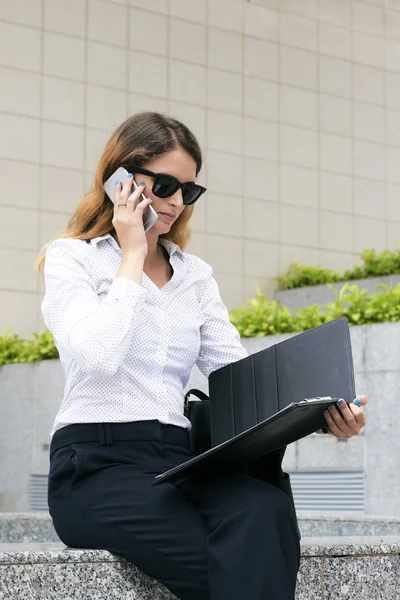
(176, 199)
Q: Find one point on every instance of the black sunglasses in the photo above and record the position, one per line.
(165, 185)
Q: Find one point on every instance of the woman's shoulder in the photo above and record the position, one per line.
(197, 265)
(68, 249)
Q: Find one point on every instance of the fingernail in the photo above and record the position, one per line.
(340, 401)
(142, 184)
(326, 412)
(129, 175)
(331, 408)
(117, 182)
(357, 401)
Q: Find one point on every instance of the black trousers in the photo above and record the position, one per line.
(216, 536)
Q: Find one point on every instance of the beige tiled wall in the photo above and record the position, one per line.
(295, 102)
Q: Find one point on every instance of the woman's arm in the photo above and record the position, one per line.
(97, 333)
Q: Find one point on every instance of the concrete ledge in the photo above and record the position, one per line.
(345, 568)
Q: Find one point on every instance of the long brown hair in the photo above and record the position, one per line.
(137, 140)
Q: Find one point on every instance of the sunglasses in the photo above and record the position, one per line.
(165, 186)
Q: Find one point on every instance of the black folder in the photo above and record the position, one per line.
(274, 397)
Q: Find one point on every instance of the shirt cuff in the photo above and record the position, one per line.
(123, 288)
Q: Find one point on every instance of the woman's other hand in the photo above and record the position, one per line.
(345, 420)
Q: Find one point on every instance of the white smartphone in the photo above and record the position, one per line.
(149, 216)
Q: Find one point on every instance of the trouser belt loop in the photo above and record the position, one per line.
(104, 434)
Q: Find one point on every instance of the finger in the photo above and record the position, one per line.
(134, 197)
(127, 187)
(339, 421)
(117, 193)
(363, 400)
(142, 205)
(333, 428)
(359, 415)
(347, 414)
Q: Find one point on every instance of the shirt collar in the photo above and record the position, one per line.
(168, 245)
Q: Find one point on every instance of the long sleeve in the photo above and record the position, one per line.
(96, 332)
(220, 340)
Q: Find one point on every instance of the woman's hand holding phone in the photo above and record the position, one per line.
(128, 220)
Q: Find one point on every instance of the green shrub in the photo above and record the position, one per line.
(373, 265)
(13, 349)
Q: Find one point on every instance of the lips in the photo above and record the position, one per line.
(171, 216)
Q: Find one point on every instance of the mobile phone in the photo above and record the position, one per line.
(149, 216)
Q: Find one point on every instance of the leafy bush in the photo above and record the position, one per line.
(373, 265)
(259, 316)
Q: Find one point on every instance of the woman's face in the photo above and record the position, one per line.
(181, 165)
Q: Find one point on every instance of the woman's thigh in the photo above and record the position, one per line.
(102, 497)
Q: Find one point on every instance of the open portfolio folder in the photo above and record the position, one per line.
(275, 397)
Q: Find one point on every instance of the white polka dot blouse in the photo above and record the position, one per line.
(127, 350)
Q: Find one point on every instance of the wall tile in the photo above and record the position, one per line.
(157, 6)
(392, 164)
(139, 102)
(179, 75)
(231, 289)
(95, 144)
(198, 245)
(298, 146)
(63, 101)
(17, 270)
(60, 198)
(369, 233)
(187, 41)
(260, 179)
(336, 192)
(226, 14)
(64, 56)
(393, 235)
(368, 19)
(369, 122)
(335, 41)
(392, 202)
(28, 185)
(298, 67)
(392, 56)
(65, 16)
(267, 286)
(260, 139)
(337, 13)
(225, 131)
(13, 54)
(225, 173)
(18, 311)
(261, 22)
(260, 99)
(103, 60)
(20, 92)
(299, 226)
(338, 261)
(101, 16)
(260, 59)
(335, 115)
(147, 74)
(336, 153)
(335, 76)
(62, 145)
(261, 259)
(369, 160)
(225, 214)
(148, 32)
(298, 107)
(19, 138)
(392, 25)
(191, 10)
(193, 117)
(261, 220)
(105, 108)
(51, 225)
(392, 82)
(225, 254)
(369, 50)
(298, 186)
(368, 84)
(304, 8)
(25, 12)
(336, 231)
(289, 253)
(225, 50)
(392, 127)
(298, 32)
(224, 91)
(369, 198)
(20, 220)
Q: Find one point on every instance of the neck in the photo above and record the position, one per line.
(154, 250)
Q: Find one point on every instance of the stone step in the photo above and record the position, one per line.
(37, 527)
(345, 568)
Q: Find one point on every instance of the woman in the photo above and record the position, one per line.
(131, 313)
